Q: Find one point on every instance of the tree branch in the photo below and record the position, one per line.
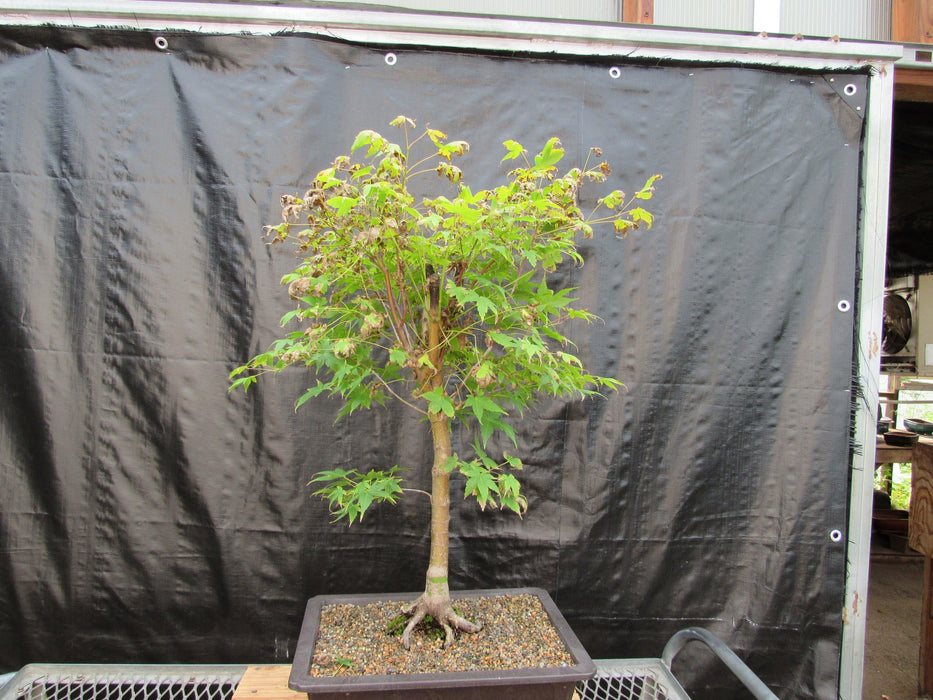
(423, 493)
(396, 396)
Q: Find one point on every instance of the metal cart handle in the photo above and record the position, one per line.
(726, 655)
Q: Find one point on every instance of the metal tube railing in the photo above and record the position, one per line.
(725, 654)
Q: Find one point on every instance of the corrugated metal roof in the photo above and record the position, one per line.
(579, 10)
(847, 19)
(586, 10)
(728, 15)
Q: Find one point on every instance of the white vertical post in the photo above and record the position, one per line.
(767, 16)
(873, 244)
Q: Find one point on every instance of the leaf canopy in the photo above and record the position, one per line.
(442, 303)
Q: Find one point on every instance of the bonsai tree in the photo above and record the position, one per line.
(442, 304)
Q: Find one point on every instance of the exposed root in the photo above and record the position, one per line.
(416, 618)
(443, 613)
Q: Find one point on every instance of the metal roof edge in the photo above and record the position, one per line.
(917, 56)
(400, 28)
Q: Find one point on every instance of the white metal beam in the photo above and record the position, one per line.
(873, 246)
(401, 28)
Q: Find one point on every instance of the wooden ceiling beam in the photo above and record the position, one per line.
(913, 84)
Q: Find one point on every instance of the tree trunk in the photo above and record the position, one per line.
(436, 580)
(435, 601)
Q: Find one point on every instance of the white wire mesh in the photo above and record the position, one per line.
(615, 679)
(119, 682)
(631, 679)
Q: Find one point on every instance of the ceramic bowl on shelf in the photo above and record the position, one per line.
(918, 425)
(901, 438)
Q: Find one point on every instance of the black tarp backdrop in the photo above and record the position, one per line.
(148, 515)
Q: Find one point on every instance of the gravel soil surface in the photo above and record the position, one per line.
(517, 633)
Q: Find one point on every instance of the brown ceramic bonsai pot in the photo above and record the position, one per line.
(553, 683)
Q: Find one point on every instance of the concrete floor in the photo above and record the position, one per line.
(892, 644)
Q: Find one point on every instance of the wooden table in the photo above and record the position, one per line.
(888, 454)
(920, 457)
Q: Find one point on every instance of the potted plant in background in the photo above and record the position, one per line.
(442, 304)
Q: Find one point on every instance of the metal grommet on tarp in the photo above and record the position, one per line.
(391, 59)
(161, 43)
(852, 89)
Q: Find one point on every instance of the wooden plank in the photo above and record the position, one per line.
(912, 21)
(638, 11)
(913, 84)
(921, 499)
(919, 77)
(266, 683)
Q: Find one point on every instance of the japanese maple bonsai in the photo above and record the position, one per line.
(442, 304)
